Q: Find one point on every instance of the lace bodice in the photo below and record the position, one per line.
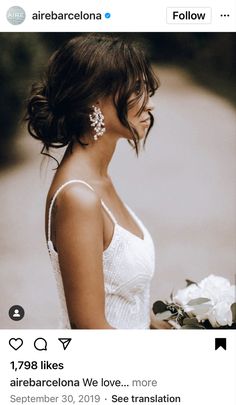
(128, 266)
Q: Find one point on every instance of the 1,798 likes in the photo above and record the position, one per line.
(82, 390)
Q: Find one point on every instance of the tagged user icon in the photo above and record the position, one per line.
(16, 312)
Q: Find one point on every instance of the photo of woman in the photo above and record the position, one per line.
(117, 173)
(97, 90)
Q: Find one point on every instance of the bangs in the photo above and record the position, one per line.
(143, 82)
(134, 70)
(137, 79)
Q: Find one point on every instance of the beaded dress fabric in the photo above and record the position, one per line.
(128, 267)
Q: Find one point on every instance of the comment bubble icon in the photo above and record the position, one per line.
(40, 344)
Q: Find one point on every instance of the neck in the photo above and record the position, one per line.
(94, 158)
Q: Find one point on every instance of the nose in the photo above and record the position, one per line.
(150, 105)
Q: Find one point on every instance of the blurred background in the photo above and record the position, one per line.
(182, 186)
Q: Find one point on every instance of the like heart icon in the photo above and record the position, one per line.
(16, 343)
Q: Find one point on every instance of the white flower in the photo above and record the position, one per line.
(220, 315)
(186, 294)
(221, 295)
(215, 287)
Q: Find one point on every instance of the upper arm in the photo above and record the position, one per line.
(79, 241)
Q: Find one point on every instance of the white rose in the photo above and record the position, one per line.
(220, 315)
(186, 294)
(215, 288)
(221, 295)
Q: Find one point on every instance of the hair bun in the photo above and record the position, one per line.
(45, 123)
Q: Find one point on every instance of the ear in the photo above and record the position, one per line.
(97, 103)
(103, 102)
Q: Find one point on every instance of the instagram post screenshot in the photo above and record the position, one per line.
(118, 202)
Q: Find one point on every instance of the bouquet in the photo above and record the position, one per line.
(209, 304)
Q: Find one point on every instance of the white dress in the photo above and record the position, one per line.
(128, 266)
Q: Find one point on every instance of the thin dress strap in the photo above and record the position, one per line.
(109, 212)
(56, 194)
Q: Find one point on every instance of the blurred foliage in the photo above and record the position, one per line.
(22, 57)
(210, 57)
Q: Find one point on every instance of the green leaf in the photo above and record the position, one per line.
(190, 321)
(233, 310)
(189, 282)
(197, 326)
(159, 307)
(198, 301)
(164, 316)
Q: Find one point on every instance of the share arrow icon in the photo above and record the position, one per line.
(65, 342)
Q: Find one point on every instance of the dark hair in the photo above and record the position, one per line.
(82, 70)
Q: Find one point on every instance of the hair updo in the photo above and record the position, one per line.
(83, 70)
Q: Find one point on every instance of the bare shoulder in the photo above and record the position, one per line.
(80, 199)
(76, 208)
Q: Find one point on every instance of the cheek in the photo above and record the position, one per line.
(133, 113)
(134, 120)
(115, 127)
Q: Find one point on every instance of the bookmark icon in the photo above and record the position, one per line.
(65, 342)
(220, 342)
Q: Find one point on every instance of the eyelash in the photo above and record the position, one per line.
(137, 89)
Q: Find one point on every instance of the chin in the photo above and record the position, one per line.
(142, 133)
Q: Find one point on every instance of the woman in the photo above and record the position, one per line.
(96, 91)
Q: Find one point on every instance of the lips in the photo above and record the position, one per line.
(146, 122)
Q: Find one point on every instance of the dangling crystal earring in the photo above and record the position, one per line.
(97, 121)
